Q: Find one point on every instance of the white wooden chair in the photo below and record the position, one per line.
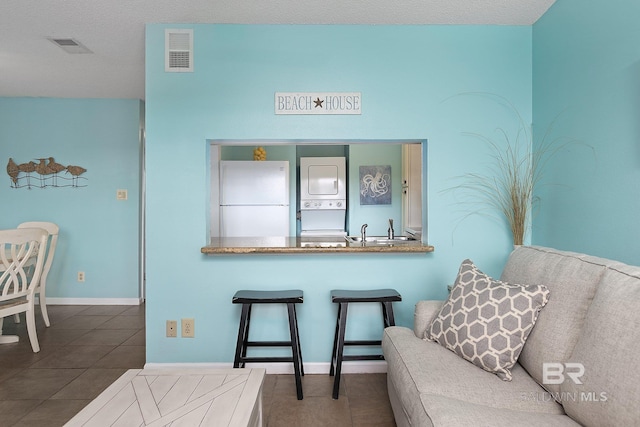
(17, 283)
(53, 231)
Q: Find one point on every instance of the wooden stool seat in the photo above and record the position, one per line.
(294, 296)
(343, 297)
(374, 295)
(289, 297)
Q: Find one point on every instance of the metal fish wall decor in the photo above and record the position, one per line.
(45, 173)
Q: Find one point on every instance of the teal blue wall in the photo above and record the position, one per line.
(584, 70)
(586, 73)
(407, 76)
(98, 234)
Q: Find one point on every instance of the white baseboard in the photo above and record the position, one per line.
(365, 367)
(93, 301)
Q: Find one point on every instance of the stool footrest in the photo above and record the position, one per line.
(352, 357)
(363, 342)
(268, 344)
(265, 359)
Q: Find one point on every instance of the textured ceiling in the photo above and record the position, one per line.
(30, 65)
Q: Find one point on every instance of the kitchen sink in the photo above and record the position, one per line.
(379, 240)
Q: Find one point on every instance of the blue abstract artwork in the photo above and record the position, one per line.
(375, 185)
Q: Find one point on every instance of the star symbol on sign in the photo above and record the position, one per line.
(318, 102)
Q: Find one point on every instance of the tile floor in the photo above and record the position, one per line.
(89, 347)
(363, 401)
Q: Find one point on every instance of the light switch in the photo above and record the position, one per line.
(121, 194)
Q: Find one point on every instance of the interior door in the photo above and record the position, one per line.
(412, 186)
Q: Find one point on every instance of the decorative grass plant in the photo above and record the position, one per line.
(515, 170)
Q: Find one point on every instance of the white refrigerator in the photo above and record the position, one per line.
(254, 198)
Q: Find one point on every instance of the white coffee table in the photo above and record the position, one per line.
(189, 397)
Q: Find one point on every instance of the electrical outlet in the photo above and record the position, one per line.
(80, 276)
(172, 328)
(188, 328)
(121, 195)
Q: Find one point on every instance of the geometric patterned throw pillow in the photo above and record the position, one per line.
(486, 321)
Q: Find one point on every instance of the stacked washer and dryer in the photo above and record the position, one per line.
(323, 200)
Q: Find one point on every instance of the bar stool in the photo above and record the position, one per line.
(343, 297)
(290, 297)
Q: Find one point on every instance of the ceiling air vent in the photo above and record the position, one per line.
(178, 55)
(69, 45)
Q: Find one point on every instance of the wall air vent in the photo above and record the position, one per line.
(69, 45)
(178, 55)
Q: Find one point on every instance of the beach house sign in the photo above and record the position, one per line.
(318, 103)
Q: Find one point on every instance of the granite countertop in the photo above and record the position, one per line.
(297, 245)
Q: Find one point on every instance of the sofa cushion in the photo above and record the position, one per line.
(486, 321)
(608, 350)
(572, 279)
(423, 315)
(416, 366)
(445, 411)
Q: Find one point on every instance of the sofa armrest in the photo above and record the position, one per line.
(424, 314)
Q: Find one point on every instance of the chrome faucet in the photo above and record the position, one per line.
(390, 232)
(363, 232)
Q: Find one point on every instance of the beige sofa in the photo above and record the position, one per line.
(589, 331)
